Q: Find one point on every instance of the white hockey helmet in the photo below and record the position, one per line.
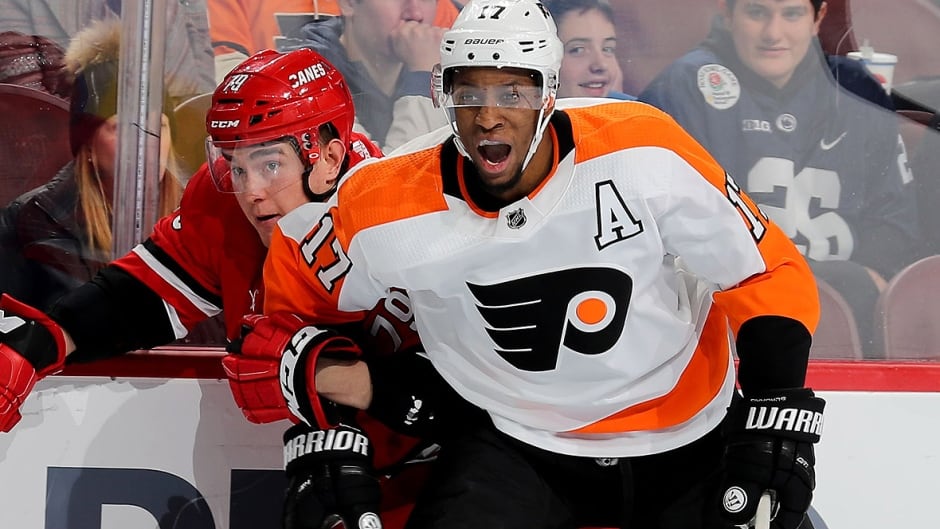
(502, 34)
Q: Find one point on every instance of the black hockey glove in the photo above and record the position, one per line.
(410, 397)
(330, 479)
(770, 439)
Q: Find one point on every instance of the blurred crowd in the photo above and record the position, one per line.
(816, 140)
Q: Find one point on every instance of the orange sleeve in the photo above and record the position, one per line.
(446, 13)
(305, 275)
(249, 26)
(787, 287)
(228, 27)
(292, 283)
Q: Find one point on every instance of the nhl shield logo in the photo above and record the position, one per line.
(516, 219)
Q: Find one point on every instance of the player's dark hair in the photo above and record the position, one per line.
(560, 8)
(326, 133)
(816, 5)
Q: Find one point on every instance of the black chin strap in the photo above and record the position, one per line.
(315, 197)
(322, 197)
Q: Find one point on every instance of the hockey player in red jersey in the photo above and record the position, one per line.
(585, 275)
(281, 135)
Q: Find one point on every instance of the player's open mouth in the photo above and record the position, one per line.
(265, 218)
(493, 152)
(597, 85)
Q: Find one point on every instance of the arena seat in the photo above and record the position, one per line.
(924, 159)
(913, 124)
(836, 335)
(906, 315)
(836, 32)
(34, 139)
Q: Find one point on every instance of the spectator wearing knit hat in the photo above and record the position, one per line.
(55, 237)
(811, 138)
(188, 54)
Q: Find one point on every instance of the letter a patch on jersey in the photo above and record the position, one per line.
(532, 318)
(615, 222)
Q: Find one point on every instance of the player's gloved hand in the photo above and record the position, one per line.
(271, 367)
(770, 439)
(330, 479)
(410, 397)
(31, 347)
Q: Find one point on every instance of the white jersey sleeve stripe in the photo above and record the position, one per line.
(205, 306)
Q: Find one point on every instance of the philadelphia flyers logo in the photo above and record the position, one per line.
(531, 318)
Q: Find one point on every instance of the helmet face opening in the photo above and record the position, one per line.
(503, 96)
(500, 34)
(241, 166)
(276, 97)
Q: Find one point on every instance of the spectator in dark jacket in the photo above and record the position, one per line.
(55, 237)
(385, 50)
(813, 139)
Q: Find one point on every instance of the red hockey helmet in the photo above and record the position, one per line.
(272, 97)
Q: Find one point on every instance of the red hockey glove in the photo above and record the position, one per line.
(770, 439)
(31, 347)
(330, 478)
(271, 368)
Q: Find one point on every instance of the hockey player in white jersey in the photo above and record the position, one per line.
(583, 275)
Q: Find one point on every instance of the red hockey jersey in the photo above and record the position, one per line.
(207, 257)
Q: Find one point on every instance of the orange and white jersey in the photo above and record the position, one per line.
(594, 316)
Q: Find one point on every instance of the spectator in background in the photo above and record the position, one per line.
(787, 121)
(57, 236)
(385, 49)
(188, 59)
(34, 61)
(589, 67)
(239, 28)
(545, 254)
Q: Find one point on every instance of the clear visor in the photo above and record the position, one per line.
(507, 96)
(253, 166)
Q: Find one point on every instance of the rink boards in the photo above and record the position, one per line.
(161, 439)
